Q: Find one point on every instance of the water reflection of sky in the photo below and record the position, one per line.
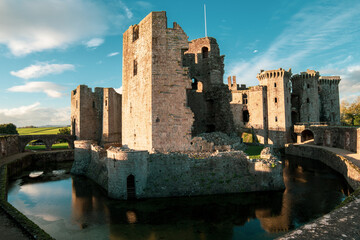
(76, 208)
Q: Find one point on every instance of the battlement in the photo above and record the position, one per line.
(273, 74)
(233, 86)
(329, 80)
(309, 74)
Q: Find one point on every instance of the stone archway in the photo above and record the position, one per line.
(307, 135)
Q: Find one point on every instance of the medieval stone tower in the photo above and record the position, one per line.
(328, 88)
(155, 113)
(305, 97)
(278, 104)
(96, 115)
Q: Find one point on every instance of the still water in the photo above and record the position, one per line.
(72, 207)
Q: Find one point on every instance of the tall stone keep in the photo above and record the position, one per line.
(155, 113)
(329, 99)
(278, 104)
(306, 99)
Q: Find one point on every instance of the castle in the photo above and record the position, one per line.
(173, 90)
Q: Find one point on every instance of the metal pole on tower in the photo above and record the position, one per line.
(205, 20)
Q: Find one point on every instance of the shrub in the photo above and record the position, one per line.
(8, 128)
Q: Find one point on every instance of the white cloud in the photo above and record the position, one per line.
(51, 89)
(35, 115)
(118, 90)
(311, 32)
(255, 51)
(113, 54)
(144, 4)
(95, 42)
(41, 70)
(38, 25)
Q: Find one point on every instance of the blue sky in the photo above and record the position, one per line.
(48, 47)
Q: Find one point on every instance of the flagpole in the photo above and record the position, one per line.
(205, 20)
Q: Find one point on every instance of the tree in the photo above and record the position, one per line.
(350, 113)
(64, 131)
(8, 128)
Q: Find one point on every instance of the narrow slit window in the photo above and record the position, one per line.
(135, 67)
(275, 100)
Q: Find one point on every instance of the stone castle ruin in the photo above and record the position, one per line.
(173, 93)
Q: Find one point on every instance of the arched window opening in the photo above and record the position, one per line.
(135, 32)
(274, 84)
(244, 98)
(246, 116)
(205, 52)
(194, 84)
(130, 186)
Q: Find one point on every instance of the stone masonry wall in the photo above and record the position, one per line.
(137, 85)
(171, 118)
(336, 162)
(9, 145)
(86, 113)
(305, 86)
(111, 116)
(329, 99)
(168, 175)
(278, 104)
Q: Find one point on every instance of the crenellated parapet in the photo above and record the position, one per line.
(309, 74)
(329, 80)
(273, 74)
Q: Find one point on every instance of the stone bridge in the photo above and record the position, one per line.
(48, 140)
(331, 136)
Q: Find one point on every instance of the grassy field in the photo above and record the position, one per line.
(253, 151)
(42, 147)
(38, 131)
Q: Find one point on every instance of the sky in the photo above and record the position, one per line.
(49, 47)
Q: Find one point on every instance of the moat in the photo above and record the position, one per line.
(68, 206)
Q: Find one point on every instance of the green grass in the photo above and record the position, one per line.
(38, 131)
(253, 151)
(42, 147)
(247, 137)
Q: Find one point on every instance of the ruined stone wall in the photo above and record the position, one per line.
(111, 116)
(206, 67)
(86, 113)
(168, 175)
(256, 106)
(198, 105)
(329, 99)
(305, 87)
(278, 104)
(9, 145)
(137, 85)
(171, 118)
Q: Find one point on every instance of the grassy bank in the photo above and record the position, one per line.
(38, 131)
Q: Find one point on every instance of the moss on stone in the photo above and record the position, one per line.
(350, 198)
